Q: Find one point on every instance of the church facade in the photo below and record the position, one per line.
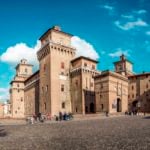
(66, 83)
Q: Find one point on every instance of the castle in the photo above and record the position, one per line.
(66, 83)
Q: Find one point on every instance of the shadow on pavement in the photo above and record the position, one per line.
(147, 117)
(3, 133)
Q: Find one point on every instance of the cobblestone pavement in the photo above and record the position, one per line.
(111, 133)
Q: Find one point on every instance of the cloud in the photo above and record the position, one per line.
(142, 11)
(4, 93)
(83, 48)
(130, 25)
(15, 53)
(127, 16)
(148, 32)
(119, 52)
(108, 7)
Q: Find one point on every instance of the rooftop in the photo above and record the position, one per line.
(56, 29)
(83, 57)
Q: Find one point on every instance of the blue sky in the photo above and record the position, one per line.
(109, 27)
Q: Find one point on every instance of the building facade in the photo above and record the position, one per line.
(66, 83)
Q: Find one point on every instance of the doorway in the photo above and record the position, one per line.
(92, 109)
(118, 105)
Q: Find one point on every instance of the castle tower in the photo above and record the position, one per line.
(23, 71)
(123, 66)
(54, 58)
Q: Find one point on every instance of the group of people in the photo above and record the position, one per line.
(36, 118)
(41, 118)
(63, 116)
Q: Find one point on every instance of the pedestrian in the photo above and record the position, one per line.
(60, 116)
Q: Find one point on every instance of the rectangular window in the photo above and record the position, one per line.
(26, 70)
(85, 64)
(62, 87)
(63, 105)
(93, 67)
(62, 65)
(76, 82)
(91, 84)
(45, 105)
(44, 67)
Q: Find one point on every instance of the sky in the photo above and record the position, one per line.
(102, 29)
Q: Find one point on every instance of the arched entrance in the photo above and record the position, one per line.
(92, 110)
(118, 105)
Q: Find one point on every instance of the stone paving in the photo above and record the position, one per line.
(106, 133)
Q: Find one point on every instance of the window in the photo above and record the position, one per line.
(101, 86)
(63, 105)
(128, 96)
(21, 99)
(15, 112)
(17, 85)
(132, 87)
(62, 73)
(91, 84)
(18, 91)
(85, 64)
(62, 87)
(45, 105)
(102, 106)
(62, 65)
(132, 95)
(147, 86)
(101, 96)
(76, 82)
(26, 70)
(44, 67)
(93, 66)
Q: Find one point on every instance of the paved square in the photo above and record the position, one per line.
(112, 133)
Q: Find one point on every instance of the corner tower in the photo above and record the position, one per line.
(123, 66)
(54, 58)
(23, 71)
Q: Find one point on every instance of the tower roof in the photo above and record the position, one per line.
(122, 58)
(56, 29)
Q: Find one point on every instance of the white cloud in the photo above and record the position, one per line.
(131, 25)
(142, 11)
(119, 52)
(4, 93)
(108, 7)
(127, 16)
(15, 53)
(84, 48)
(148, 32)
(3, 90)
